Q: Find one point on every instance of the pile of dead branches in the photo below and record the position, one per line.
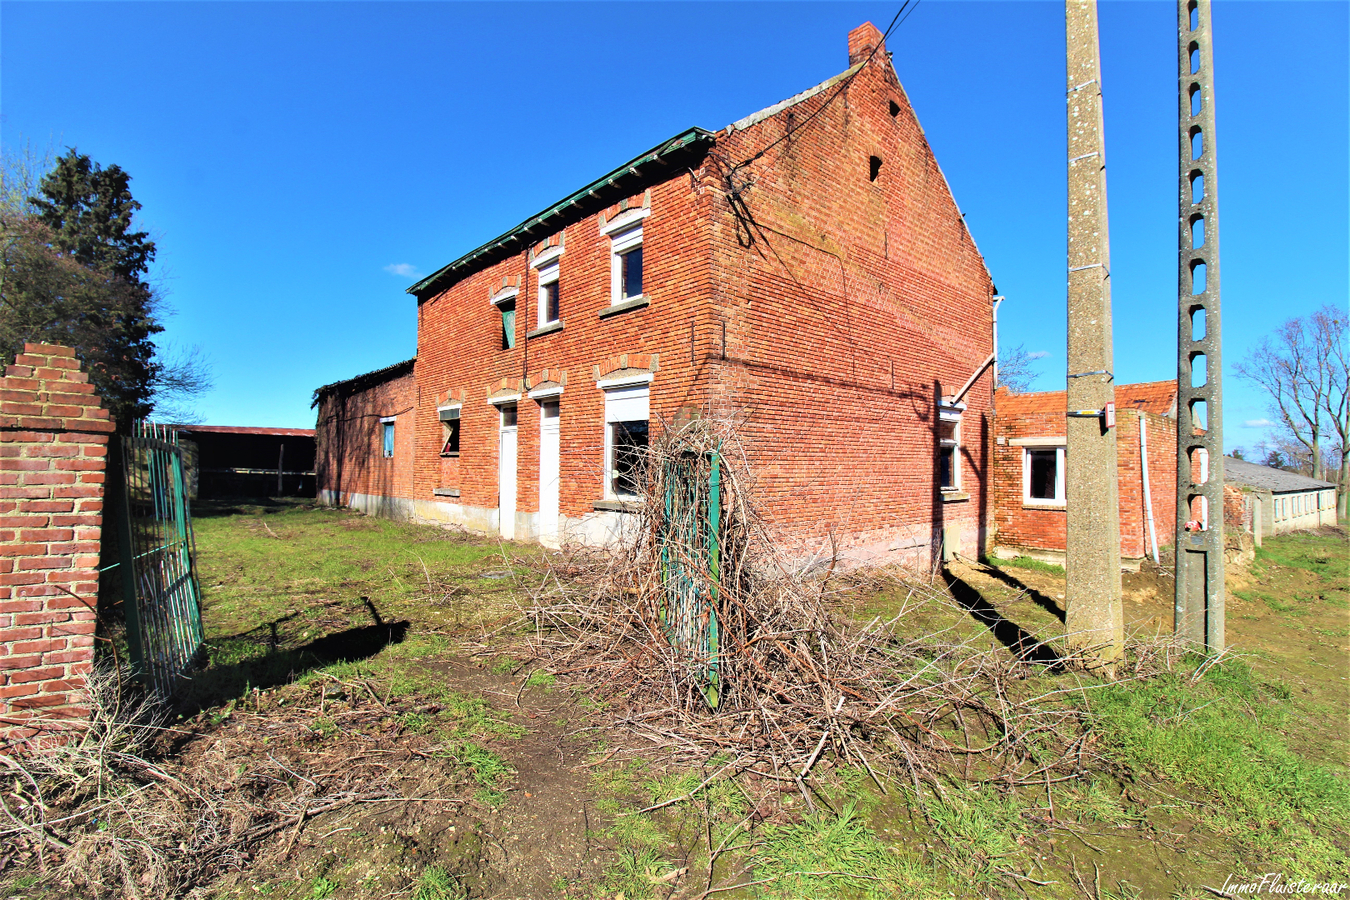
(132, 807)
(796, 681)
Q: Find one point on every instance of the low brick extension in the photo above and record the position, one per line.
(53, 449)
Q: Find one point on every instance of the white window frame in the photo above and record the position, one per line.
(951, 413)
(451, 407)
(626, 400)
(625, 233)
(386, 421)
(1060, 499)
(546, 265)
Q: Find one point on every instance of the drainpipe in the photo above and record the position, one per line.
(996, 301)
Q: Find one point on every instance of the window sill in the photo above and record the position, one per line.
(454, 454)
(545, 329)
(954, 496)
(637, 302)
(628, 506)
(445, 492)
(1045, 504)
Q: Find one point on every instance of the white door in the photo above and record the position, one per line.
(549, 453)
(506, 474)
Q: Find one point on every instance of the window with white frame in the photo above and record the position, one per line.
(387, 436)
(949, 447)
(546, 264)
(505, 302)
(1043, 475)
(625, 247)
(626, 415)
(449, 416)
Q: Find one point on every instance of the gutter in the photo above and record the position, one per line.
(597, 193)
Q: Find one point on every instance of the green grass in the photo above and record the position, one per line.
(1025, 562)
(437, 884)
(837, 856)
(1216, 739)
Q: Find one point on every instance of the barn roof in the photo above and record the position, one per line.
(369, 379)
(1277, 481)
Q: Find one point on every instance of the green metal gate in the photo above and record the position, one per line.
(691, 561)
(159, 582)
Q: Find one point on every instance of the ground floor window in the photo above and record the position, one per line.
(387, 435)
(949, 448)
(1043, 475)
(626, 440)
(450, 431)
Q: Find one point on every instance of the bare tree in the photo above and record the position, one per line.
(1302, 367)
(1015, 371)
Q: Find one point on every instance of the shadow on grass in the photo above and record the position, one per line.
(253, 506)
(1036, 596)
(1025, 645)
(217, 684)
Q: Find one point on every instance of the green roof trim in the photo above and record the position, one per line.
(598, 193)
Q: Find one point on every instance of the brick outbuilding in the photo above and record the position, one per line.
(804, 270)
(1028, 481)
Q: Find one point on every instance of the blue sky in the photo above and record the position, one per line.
(301, 163)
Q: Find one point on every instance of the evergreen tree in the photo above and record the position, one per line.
(73, 273)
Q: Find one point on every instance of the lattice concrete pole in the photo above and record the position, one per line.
(1092, 592)
(1199, 586)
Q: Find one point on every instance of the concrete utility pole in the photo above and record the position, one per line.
(1092, 592)
(1199, 537)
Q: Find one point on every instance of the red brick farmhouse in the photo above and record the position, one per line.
(805, 270)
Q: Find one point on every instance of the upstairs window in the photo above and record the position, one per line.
(449, 431)
(387, 435)
(508, 309)
(546, 263)
(626, 257)
(505, 302)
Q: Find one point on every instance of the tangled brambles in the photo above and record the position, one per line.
(740, 652)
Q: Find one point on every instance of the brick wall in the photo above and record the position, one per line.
(853, 296)
(53, 449)
(1038, 420)
(827, 326)
(350, 466)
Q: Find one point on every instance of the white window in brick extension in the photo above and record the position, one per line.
(387, 436)
(449, 416)
(1043, 476)
(626, 415)
(949, 448)
(545, 263)
(625, 247)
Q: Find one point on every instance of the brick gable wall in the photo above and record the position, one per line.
(850, 304)
(53, 450)
(349, 444)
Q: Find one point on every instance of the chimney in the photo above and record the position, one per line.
(862, 41)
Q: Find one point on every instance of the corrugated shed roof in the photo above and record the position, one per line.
(358, 382)
(1277, 481)
(244, 429)
(1157, 397)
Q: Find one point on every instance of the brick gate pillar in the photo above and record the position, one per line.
(53, 448)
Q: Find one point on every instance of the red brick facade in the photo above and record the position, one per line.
(350, 464)
(1037, 421)
(53, 449)
(813, 280)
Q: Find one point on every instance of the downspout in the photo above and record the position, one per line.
(1148, 497)
(996, 301)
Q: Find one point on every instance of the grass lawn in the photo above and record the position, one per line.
(333, 635)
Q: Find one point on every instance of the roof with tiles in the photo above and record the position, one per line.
(1157, 397)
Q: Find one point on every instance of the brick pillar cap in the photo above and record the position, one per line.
(862, 41)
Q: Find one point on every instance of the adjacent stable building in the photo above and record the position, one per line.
(1277, 501)
(1028, 476)
(804, 271)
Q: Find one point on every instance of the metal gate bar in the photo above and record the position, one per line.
(690, 563)
(159, 581)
